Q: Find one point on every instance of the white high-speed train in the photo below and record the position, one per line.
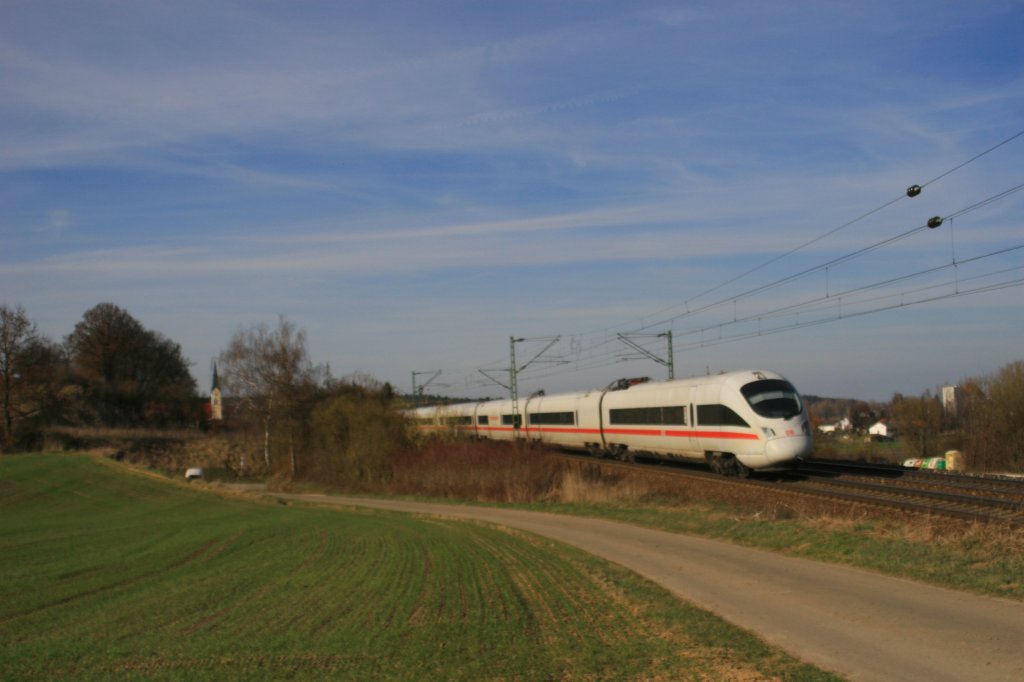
(736, 421)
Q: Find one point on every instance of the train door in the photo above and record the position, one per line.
(691, 421)
(678, 415)
(532, 403)
(705, 396)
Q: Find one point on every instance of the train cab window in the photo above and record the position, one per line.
(773, 398)
(664, 415)
(718, 415)
(556, 418)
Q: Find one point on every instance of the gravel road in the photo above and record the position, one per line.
(859, 624)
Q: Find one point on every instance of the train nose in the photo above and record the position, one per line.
(787, 448)
(788, 441)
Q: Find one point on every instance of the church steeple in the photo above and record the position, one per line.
(216, 408)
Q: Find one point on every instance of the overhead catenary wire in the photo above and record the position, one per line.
(822, 267)
(845, 313)
(591, 356)
(834, 230)
(860, 313)
(847, 257)
(902, 303)
(974, 158)
(847, 299)
(600, 360)
(827, 302)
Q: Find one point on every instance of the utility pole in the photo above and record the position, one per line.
(417, 395)
(514, 383)
(513, 374)
(671, 357)
(668, 362)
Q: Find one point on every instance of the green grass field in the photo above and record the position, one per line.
(108, 574)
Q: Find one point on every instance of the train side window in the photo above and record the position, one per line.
(506, 419)
(667, 416)
(673, 416)
(481, 420)
(718, 415)
(557, 418)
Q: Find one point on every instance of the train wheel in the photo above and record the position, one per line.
(726, 464)
(621, 453)
(715, 462)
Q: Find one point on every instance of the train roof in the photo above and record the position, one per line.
(738, 377)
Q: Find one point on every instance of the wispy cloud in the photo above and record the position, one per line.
(489, 165)
(58, 221)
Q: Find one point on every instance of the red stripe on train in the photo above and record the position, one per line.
(724, 435)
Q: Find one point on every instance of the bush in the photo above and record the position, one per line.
(352, 437)
(485, 471)
(993, 420)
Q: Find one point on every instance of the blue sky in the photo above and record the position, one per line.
(415, 182)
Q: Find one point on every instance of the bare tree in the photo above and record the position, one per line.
(919, 421)
(17, 334)
(993, 419)
(862, 415)
(268, 370)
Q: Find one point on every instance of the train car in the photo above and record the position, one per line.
(443, 419)
(735, 422)
(568, 420)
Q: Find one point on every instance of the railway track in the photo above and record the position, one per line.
(972, 498)
(946, 495)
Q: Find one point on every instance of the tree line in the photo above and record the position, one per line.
(303, 422)
(284, 413)
(109, 371)
(986, 420)
(293, 418)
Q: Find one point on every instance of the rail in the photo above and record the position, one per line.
(948, 495)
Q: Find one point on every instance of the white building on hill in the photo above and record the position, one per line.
(882, 430)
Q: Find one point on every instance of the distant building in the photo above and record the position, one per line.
(881, 430)
(216, 404)
(950, 398)
(843, 424)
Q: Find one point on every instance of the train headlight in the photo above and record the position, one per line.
(768, 432)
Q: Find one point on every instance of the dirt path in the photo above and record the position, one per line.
(859, 624)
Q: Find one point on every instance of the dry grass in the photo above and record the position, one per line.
(518, 472)
(576, 487)
(483, 471)
(171, 451)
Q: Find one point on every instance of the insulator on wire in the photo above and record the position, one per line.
(934, 222)
(913, 190)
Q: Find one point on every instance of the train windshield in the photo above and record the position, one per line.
(773, 398)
